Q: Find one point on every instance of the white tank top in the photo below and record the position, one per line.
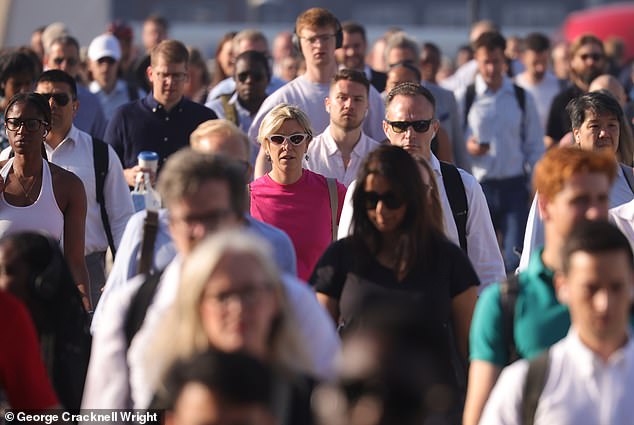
(43, 215)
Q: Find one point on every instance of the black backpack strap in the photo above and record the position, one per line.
(100, 162)
(629, 175)
(231, 113)
(469, 98)
(133, 91)
(520, 96)
(139, 305)
(536, 377)
(150, 229)
(457, 196)
(509, 290)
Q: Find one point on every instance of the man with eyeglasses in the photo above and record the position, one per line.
(251, 75)
(504, 140)
(317, 34)
(587, 62)
(104, 54)
(63, 54)
(409, 122)
(163, 120)
(72, 149)
(203, 194)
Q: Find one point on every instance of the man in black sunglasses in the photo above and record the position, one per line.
(252, 74)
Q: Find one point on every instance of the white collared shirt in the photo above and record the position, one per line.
(324, 157)
(117, 97)
(580, 389)
(482, 246)
(516, 137)
(620, 193)
(623, 217)
(74, 154)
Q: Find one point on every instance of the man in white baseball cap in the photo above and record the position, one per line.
(104, 54)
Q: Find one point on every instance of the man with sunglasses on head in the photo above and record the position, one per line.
(252, 74)
(163, 120)
(104, 54)
(72, 149)
(504, 140)
(63, 54)
(409, 122)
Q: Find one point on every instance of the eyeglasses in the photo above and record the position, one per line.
(295, 139)
(210, 220)
(175, 76)
(69, 61)
(106, 59)
(247, 296)
(419, 126)
(324, 38)
(255, 76)
(30, 124)
(594, 56)
(389, 199)
(61, 99)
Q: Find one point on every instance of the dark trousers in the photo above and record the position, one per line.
(95, 263)
(508, 205)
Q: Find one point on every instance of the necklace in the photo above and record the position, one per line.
(27, 193)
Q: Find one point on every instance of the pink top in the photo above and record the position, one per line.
(302, 210)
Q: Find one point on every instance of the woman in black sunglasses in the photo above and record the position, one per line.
(37, 195)
(291, 197)
(397, 254)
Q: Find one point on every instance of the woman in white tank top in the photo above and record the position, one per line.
(37, 195)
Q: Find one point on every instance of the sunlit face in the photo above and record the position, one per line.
(585, 196)
(598, 291)
(239, 305)
(225, 58)
(384, 218)
(352, 52)
(491, 65)
(168, 81)
(194, 217)
(104, 71)
(61, 115)
(64, 57)
(152, 34)
(598, 132)
(198, 405)
(536, 63)
(401, 54)
(251, 79)
(411, 108)
(18, 83)
(588, 62)
(347, 104)
(287, 157)
(318, 46)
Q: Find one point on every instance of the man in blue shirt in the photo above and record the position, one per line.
(164, 119)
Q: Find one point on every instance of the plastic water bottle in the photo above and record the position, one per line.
(144, 196)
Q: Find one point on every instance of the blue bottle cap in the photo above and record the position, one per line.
(147, 156)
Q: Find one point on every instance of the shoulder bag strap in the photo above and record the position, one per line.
(150, 229)
(334, 205)
(101, 162)
(536, 377)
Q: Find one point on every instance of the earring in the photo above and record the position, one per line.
(306, 157)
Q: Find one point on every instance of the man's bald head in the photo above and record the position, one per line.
(221, 137)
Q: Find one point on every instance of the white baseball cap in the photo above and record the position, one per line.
(104, 46)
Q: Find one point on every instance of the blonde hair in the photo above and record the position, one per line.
(280, 114)
(220, 127)
(182, 333)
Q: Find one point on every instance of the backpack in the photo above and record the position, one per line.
(231, 113)
(509, 290)
(536, 377)
(457, 196)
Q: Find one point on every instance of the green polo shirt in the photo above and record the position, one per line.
(540, 321)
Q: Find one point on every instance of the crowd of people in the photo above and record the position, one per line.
(349, 234)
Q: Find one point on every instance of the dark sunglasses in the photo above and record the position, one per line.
(389, 199)
(106, 59)
(594, 56)
(419, 126)
(255, 76)
(69, 61)
(295, 139)
(61, 99)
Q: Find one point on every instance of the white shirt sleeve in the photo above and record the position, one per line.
(345, 221)
(117, 197)
(504, 404)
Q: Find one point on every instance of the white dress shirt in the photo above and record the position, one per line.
(74, 154)
(623, 217)
(482, 246)
(324, 157)
(516, 137)
(620, 193)
(117, 97)
(580, 389)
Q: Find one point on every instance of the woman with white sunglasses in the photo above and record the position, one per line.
(291, 197)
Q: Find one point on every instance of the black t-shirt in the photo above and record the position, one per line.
(558, 119)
